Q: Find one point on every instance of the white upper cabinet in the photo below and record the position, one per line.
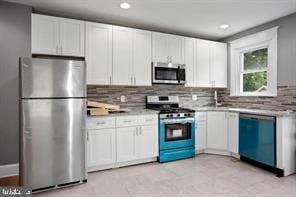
(141, 58)
(217, 132)
(45, 34)
(72, 37)
(219, 65)
(98, 53)
(190, 61)
(203, 64)
(122, 56)
(207, 67)
(57, 36)
(160, 47)
(176, 48)
(167, 48)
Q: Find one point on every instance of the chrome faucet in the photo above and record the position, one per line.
(217, 104)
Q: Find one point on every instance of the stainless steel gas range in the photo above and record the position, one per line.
(176, 128)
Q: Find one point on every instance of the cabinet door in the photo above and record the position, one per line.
(127, 144)
(233, 128)
(201, 135)
(45, 34)
(101, 147)
(122, 55)
(219, 64)
(142, 57)
(72, 37)
(98, 53)
(176, 48)
(160, 48)
(203, 64)
(217, 137)
(190, 61)
(148, 142)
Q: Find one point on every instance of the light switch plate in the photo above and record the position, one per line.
(122, 99)
(194, 97)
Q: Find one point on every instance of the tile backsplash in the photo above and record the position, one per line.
(285, 100)
(136, 95)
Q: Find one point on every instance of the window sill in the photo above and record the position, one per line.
(253, 95)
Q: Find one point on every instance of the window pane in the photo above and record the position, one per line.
(256, 59)
(255, 82)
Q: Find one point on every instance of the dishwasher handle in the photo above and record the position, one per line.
(257, 117)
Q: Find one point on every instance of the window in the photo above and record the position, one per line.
(254, 65)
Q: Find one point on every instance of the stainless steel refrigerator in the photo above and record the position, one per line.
(52, 122)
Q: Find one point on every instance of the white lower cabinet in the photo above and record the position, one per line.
(233, 129)
(101, 147)
(118, 141)
(200, 131)
(217, 134)
(126, 142)
(148, 146)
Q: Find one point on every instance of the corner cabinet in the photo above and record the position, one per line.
(217, 131)
(167, 48)
(233, 131)
(200, 132)
(206, 63)
(57, 36)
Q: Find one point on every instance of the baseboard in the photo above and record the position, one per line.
(9, 170)
(217, 152)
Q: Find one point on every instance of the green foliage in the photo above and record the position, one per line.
(254, 81)
(255, 60)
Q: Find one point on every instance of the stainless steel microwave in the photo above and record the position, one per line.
(168, 73)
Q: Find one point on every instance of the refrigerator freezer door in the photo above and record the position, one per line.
(52, 78)
(53, 139)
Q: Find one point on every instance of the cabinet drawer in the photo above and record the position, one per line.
(201, 116)
(126, 121)
(148, 120)
(100, 123)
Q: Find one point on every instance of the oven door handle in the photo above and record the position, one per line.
(179, 121)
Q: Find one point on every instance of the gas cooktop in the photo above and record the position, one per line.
(168, 107)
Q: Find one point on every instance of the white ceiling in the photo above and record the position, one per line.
(199, 18)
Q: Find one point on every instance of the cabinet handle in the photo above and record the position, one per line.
(137, 132)
(135, 80)
(87, 136)
(110, 80)
(140, 130)
(131, 80)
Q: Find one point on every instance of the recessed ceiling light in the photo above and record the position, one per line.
(125, 5)
(224, 26)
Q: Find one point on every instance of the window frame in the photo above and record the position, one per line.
(265, 39)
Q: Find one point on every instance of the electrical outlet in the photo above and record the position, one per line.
(194, 97)
(122, 99)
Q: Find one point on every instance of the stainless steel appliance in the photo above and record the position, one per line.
(168, 73)
(52, 122)
(176, 128)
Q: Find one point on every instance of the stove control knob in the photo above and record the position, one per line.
(172, 115)
(178, 115)
(167, 115)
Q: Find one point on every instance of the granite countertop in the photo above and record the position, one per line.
(250, 111)
(130, 113)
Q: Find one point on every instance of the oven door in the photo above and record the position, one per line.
(176, 133)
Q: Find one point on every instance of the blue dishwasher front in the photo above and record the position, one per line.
(257, 138)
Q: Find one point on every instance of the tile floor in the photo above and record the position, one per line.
(204, 175)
